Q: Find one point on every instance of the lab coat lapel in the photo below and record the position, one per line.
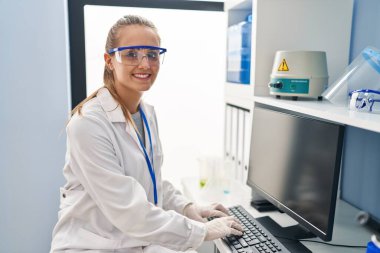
(115, 113)
(132, 132)
(110, 106)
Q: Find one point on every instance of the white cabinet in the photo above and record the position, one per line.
(317, 25)
(323, 25)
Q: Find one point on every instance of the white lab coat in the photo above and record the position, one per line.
(107, 202)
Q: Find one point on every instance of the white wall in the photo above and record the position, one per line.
(33, 111)
(188, 93)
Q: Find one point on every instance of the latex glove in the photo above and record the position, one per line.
(198, 213)
(222, 227)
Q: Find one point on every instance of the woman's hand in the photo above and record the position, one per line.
(199, 213)
(222, 227)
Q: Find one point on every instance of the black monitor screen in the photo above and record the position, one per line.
(295, 163)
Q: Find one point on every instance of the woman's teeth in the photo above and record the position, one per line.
(141, 75)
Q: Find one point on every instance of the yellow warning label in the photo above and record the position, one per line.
(283, 66)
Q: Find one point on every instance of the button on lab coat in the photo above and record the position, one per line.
(107, 204)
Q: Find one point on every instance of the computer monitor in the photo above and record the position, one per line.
(294, 164)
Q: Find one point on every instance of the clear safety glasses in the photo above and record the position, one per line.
(133, 55)
(364, 99)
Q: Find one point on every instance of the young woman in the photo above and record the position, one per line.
(114, 199)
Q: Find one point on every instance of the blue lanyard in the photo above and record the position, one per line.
(148, 162)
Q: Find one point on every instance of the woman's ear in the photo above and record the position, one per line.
(107, 60)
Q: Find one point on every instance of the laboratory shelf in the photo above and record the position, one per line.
(326, 110)
(239, 90)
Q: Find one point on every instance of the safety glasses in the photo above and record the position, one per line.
(133, 55)
(364, 99)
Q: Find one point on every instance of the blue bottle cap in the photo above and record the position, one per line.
(249, 18)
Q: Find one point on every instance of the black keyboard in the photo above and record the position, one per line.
(255, 237)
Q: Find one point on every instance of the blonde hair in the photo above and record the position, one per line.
(108, 76)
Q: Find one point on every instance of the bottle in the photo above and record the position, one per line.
(239, 52)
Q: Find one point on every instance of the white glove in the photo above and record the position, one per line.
(222, 227)
(198, 213)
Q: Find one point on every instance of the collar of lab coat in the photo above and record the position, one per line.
(110, 106)
(115, 114)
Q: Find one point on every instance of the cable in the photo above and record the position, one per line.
(336, 245)
(330, 244)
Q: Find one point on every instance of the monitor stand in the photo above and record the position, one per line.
(263, 205)
(294, 233)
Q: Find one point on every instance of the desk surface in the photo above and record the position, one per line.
(346, 230)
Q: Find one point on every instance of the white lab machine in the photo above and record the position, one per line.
(299, 74)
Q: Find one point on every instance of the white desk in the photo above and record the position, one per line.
(346, 230)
